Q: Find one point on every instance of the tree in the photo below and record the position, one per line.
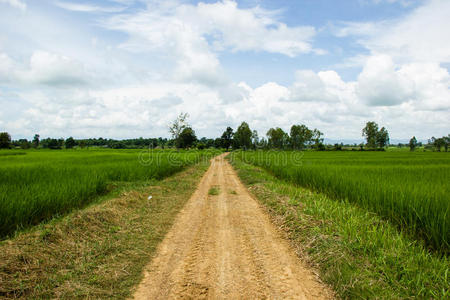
(243, 136)
(300, 136)
(82, 144)
(36, 141)
(5, 140)
(227, 138)
(255, 139)
(187, 138)
(370, 133)
(70, 143)
(317, 139)
(218, 143)
(446, 142)
(54, 144)
(177, 127)
(24, 144)
(438, 143)
(412, 143)
(382, 138)
(277, 138)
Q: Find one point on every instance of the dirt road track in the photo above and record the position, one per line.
(225, 247)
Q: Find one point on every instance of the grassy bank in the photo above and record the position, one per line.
(99, 251)
(410, 190)
(38, 185)
(361, 255)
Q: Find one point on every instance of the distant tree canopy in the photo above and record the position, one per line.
(412, 143)
(70, 143)
(5, 140)
(187, 138)
(177, 128)
(54, 144)
(183, 136)
(374, 137)
(301, 136)
(277, 138)
(35, 141)
(255, 139)
(227, 138)
(243, 137)
(438, 143)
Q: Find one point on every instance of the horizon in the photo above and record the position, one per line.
(127, 68)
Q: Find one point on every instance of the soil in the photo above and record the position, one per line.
(224, 246)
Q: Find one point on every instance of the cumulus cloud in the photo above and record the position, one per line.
(380, 84)
(426, 85)
(44, 68)
(166, 58)
(56, 70)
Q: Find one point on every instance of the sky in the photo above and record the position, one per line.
(127, 68)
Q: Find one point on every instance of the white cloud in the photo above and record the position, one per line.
(15, 3)
(421, 36)
(87, 7)
(6, 67)
(44, 68)
(166, 59)
(221, 24)
(380, 84)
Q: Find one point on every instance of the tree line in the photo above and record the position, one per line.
(300, 137)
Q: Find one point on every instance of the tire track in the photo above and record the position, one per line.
(225, 247)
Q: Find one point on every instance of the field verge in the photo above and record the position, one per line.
(97, 252)
(357, 252)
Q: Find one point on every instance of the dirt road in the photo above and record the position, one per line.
(225, 247)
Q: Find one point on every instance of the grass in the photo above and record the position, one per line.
(358, 253)
(214, 191)
(97, 252)
(36, 186)
(410, 190)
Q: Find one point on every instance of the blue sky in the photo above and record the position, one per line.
(126, 68)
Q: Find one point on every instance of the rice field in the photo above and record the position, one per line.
(37, 185)
(411, 190)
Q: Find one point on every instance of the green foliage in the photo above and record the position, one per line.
(300, 136)
(412, 143)
(70, 143)
(375, 137)
(177, 127)
(243, 136)
(42, 184)
(5, 140)
(36, 141)
(408, 188)
(186, 138)
(226, 139)
(382, 138)
(214, 191)
(277, 138)
(370, 133)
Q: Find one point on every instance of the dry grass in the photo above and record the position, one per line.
(98, 252)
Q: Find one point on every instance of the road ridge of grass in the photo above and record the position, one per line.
(357, 253)
(99, 251)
